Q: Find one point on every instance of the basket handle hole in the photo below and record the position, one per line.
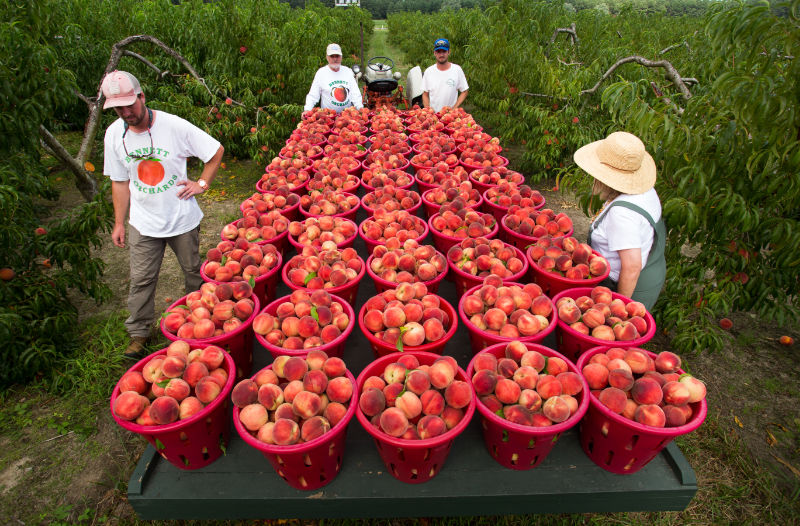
(632, 443)
(205, 453)
(394, 470)
(629, 465)
(401, 455)
(534, 460)
(532, 443)
(427, 454)
(434, 469)
(590, 445)
(494, 451)
(609, 458)
(306, 460)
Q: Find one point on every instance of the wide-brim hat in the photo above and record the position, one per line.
(620, 161)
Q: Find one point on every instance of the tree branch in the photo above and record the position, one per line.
(675, 46)
(83, 179)
(669, 72)
(569, 63)
(573, 35)
(137, 56)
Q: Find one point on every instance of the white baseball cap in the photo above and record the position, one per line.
(333, 49)
(120, 88)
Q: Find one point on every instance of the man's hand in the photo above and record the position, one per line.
(190, 189)
(118, 235)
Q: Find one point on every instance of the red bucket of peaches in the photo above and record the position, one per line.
(414, 405)
(528, 395)
(177, 399)
(296, 412)
(639, 402)
(393, 263)
(593, 316)
(562, 263)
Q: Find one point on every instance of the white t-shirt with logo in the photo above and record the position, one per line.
(335, 90)
(622, 228)
(155, 209)
(443, 87)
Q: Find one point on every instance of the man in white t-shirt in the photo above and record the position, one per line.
(334, 86)
(444, 83)
(145, 157)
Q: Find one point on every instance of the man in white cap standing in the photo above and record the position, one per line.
(444, 83)
(334, 85)
(145, 157)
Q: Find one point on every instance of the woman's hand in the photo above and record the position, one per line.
(630, 268)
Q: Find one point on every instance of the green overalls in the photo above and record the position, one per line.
(654, 273)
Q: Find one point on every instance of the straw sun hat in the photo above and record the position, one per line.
(620, 161)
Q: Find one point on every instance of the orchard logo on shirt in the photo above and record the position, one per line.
(451, 82)
(340, 93)
(150, 172)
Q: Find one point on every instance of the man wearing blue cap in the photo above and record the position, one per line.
(444, 83)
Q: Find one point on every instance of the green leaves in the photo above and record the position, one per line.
(309, 277)
(314, 313)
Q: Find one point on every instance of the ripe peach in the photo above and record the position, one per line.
(650, 415)
(441, 374)
(601, 294)
(295, 368)
(284, 411)
(177, 389)
(484, 381)
(133, 381)
(518, 414)
(393, 422)
(194, 372)
(430, 426)
(417, 381)
(556, 409)
(675, 393)
(339, 389)
(614, 399)
(548, 386)
(646, 391)
(410, 404)
(285, 432)
(596, 375)
(291, 389)
(569, 313)
(306, 404)
(530, 399)
(603, 332)
(189, 407)
(206, 390)
(533, 359)
(452, 416)
(212, 356)
(333, 367)
(458, 394)
(621, 379)
(507, 391)
(165, 410)
(667, 362)
(697, 389)
(432, 401)
(173, 366)
(314, 427)
(270, 396)
(179, 348)
(570, 383)
(555, 366)
(129, 405)
(334, 412)
(391, 392)
(152, 369)
(253, 416)
(673, 416)
(372, 401)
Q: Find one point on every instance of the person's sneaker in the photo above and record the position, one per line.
(136, 348)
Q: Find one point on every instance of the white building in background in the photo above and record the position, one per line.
(348, 3)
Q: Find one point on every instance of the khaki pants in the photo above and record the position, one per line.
(146, 254)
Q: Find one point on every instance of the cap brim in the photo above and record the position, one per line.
(441, 49)
(637, 182)
(114, 102)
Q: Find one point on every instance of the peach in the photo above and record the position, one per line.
(667, 362)
(600, 358)
(434, 329)
(548, 386)
(526, 377)
(570, 383)
(484, 382)
(418, 381)
(306, 404)
(410, 404)
(603, 332)
(673, 416)
(697, 389)
(452, 416)
(601, 294)
(164, 410)
(495, 318)
(650, 415)
(492, 403)
(291, 389)
(334, 412)
(507, 391)
(675, 393)
(556, 409)
(413, 334)
(533, 359)
(179, 348)
(614, 399)
(596, 375)
(646, 391)
(530, 399)
(152, 369)
(430, 426)
(394, 373)
(285, 432)
(244, 393)
(207, 390)
(295, 368)
(315, 381)
(393, 422)
(284, 411)
(569, 313)
(339, 389)
(265, 433)
(593, 318)
(486, 361)
(133, 381)
(314, 427)
(265, 376)
(212, 356)
(372, 401)
(333, 367)
(194, 372)
(625, 331)
(555, 366)
(373, 381)
(458, 394)
(391, 392)
(618, 363)
(506, 367)
(441, 373)
(518, 414)
(253, 416)
(189, 407)
(129, 405)
(409, 361)
(177, 389)
(433, 402)
(621, 379)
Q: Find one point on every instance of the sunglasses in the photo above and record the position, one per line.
(144, 155)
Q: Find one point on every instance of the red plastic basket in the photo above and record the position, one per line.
(365, 166)
(522, 241)
(371, 244)
(265, 284)
(623, 446)
(382, 348)
(496, 210)
(481, 339)
(382, 284)
(348, 292)
(197, 441)
(344, 244)
(465, 281)
(443, 243)
(553, 283)
(524, 447)
(290, 212)
(299, 189)
(572, 343)
(431, 208)
(371, 211)
(278, 241)
(310, 465)
(413, 461)
(334, 348)
(350, 214)
(473, 167)
(238, 343)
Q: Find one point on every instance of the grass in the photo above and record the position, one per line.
(380, 47)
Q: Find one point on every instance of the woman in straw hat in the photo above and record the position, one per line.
(628, 230)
